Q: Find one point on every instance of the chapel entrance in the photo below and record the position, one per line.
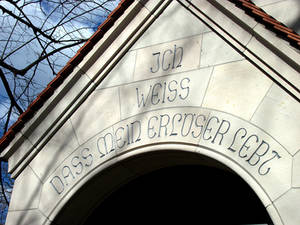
(183, 194)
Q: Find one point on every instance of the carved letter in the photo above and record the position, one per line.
(77, 164)
(222, 133)
(185, 87)
(209, 129)
(163, 60)
(143, 101)
(256, 153)
(151, 128)
(172, 90)
(199, 125)
(57, 184)
(66, 172)
(190, 124)
(173, 123)
(180, 56)
(105, 144)
(138, 132)
(161, 125)
(233, 142)
(268, 160)
(88, 157)
(247, 147)
(155, 94)
(119, 138)
(151, 69)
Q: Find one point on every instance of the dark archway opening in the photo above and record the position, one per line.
(189, 194)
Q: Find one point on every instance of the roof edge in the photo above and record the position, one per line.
(270, 22)
(63, 74)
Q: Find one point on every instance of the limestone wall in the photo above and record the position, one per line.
(181, 85)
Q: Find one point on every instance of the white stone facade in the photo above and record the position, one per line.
(182, 76)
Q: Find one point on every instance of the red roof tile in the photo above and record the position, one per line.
(271, 23)
(247, 5)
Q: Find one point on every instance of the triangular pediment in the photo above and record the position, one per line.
(195, 77)
(165, 55)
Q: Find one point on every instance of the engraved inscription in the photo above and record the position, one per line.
(163, 92)
(169, 59)
(72, 170)
(238, 139)
(123, 135)
(259, 149)
(248, 146)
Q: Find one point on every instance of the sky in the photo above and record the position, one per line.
(46, 15)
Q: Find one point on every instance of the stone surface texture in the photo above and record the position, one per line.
(180, 83)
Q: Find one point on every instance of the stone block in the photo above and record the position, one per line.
(288, 206)
(236, 88)
(26, 192)
(274, 60)
(254, 150)
(16, 158)
(216, 51)
(168, 58)
(279, 115)
(76, 168)
(183, 89)
(32, 217)
(60, 145)
(57, 104)
(224, 21)
(122, 73)
(296, 171)
(174, 24)
(91, 117)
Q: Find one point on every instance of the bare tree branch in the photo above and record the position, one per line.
(34, 28)
(9, 92)
(8, 118)
(2, 186)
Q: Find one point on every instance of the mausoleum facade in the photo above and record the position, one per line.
(164, 84)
